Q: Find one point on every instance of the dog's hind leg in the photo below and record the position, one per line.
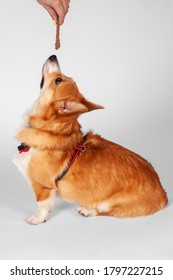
(102, 209)
(87, 212)
(45, 200)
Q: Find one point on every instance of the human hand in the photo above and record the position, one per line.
(56, 8)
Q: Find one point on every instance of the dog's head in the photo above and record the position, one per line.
(60, 99)
(59, 94)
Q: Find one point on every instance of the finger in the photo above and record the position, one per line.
(51, 12)
(60, 10)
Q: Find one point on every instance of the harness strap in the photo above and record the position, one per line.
(77, 150)
(23, 148)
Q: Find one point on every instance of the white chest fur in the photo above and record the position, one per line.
(22, 161)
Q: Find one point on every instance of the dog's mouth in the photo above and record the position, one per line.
(42, 82)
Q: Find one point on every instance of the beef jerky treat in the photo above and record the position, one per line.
(57, 40)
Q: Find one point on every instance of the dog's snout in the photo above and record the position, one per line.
(51, 65)
(53, 58)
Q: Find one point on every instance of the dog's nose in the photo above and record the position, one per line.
(52, 58)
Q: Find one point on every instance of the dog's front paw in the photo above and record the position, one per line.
(35, 220)
(86, 212)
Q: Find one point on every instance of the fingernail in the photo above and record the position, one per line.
(54, 22)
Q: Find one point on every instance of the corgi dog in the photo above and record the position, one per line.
(102, 177)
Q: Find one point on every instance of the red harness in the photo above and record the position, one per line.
(76, 152)
(23, 148)
(79, 148)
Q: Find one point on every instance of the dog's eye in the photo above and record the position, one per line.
(58, 81)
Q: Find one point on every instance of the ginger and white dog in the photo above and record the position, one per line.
(104, 178)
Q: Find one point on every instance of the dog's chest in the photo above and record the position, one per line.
(22, 161)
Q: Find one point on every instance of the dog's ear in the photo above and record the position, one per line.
(91, 106)
(67, 106)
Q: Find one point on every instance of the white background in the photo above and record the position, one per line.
(120, 55)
